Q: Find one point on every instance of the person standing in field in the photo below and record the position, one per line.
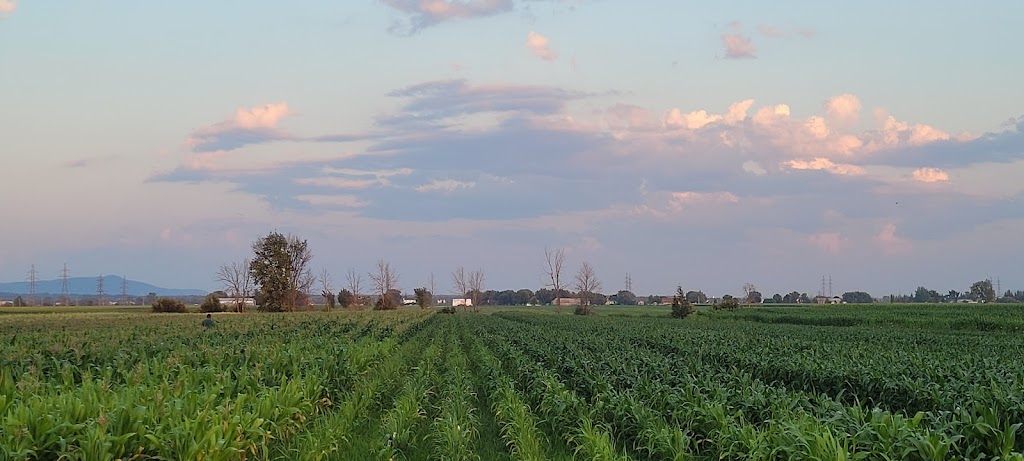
(208, 321)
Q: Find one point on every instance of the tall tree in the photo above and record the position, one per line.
(236, 278)
(750, 294)
(385, 280)
(696, 297)
(476, 287)
(424, 297)
(587, 284)
(857, 297)
(280, 270)
(460, 283)
(355, 286)
(681, 307)
(346, 299)
(982, 291)
(326, 291)
(555, 259)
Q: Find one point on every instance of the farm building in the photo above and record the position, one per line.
(568, 301)
(462, 302)
(828, 300)
(236, 300)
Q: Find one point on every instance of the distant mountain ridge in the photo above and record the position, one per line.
(87, 286)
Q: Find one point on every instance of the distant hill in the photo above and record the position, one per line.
(87, 286)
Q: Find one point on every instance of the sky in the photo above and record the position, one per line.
(691, 143)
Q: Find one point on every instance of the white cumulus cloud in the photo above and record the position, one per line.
(540, 46)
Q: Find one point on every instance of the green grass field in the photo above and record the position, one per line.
(835, 383)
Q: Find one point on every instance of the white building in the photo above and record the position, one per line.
(462, 302)
(234, 301)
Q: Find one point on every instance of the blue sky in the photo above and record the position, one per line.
(705, 144)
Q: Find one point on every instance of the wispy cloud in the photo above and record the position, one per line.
(445, 185)
(540, 46)
(425, 13)
(927, 174)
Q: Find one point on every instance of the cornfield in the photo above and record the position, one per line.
(836, 383)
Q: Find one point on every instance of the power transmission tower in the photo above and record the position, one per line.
(830, 286)
(999, 287)
(821, 292)
(629, 282)
(124, 291)
(99, 291)
(64, 286)
(32, 274)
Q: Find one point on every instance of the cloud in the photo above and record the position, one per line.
(248, 126)
(829, 242)
(770, 31)
(824, 164)
(432, 102)
(843, 110)
(7, 6)
(930, 175)
(540, 47)
(343, 201)
(447, 185)
(891, 243)
(340, 183)
(425, 13)
(738, 46)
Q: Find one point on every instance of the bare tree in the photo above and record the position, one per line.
(326, 291)
(460, 282)
(476, 287)
(355, 285)
(237, 282)
(748, 290)
(555, 260)
(587, 284)
(384, 279)
(300, 278)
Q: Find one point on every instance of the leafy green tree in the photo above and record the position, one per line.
(696, 297)
(777, 299)
(857, 297)
(982, 291)
(681, 307)
(280, 271)
(346, 298)
(424, 297)
(168, 305)
(211, 304)
(728, 303)
(624, 298)
(524, 297)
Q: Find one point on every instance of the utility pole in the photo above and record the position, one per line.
(32, 274)
(64, 298)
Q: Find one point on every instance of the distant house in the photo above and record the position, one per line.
(462, 302)
(568, 301)
(408, 302)
(828, 300)
(236, 300)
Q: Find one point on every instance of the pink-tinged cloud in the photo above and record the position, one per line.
(930, 175)
(540, 46)
(891, 243)
(680, 200)
(893, 132)
(693, 120)
(807, 32)
(824, 164)
(843, 110)
(7, 6)
(829, 242)
(738, 47)
(425, 13)
(248, 126)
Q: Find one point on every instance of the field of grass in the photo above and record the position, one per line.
(835, 383)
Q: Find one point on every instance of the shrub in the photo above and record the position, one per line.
(211, 304)
(681, 307)
(168, 305)
(728, 303)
